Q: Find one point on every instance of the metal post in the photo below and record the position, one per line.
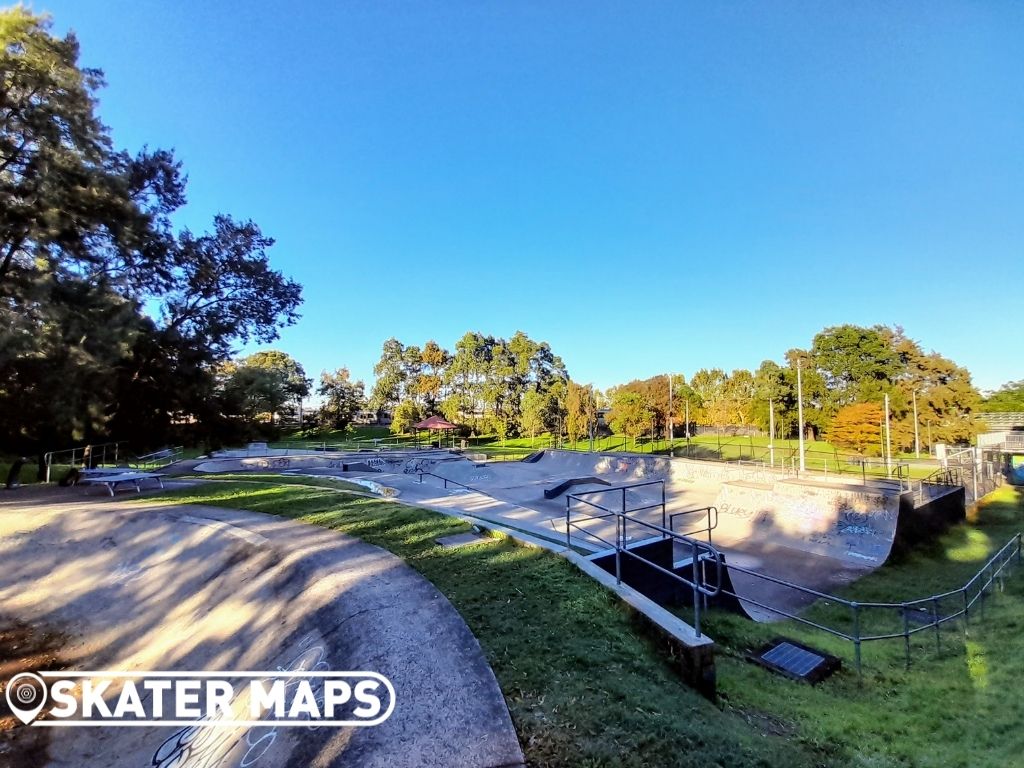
(935, 620)
(856, 635)
(981, 594)
(618, 549)
(917, 440)
(771, 430)
(888, 441)
(663, 521)
(906, 634)
(568, 542)
(966, 606)
(800, 411)
(696, 589)
(671, 432)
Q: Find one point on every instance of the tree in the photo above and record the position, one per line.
(631, 414)
(856, 427)
(580, 411)
(856, 363)
(1008, 398)
(536, 406)
(264, 382)
(709, 387)
(389, 388)
(406, 414)
(343, 398)
(108, 320)
(738, 397)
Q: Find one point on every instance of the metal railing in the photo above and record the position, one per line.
(873, 621)
(701, 587)
(448, 482)
(860, 622)
(86, 456)
(160, 458)
(709, 526)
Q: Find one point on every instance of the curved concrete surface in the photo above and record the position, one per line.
(136, 586)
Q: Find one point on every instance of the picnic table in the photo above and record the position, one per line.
(112, 480)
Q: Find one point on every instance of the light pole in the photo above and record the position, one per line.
(888, 441)
(671, 432)
(917, 440)
(800, 411)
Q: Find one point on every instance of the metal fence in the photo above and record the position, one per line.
(853, 621)
(84, 457)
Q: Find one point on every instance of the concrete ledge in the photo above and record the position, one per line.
(696, 655)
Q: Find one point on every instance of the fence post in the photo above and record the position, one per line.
(966, 608)
(981, 591)
(856, 636)
(567, 537)
(663, 520)
(696, 588)
(935, 620)
(906, 633)
(618, 549)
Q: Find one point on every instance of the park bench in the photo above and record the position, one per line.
(112, 481)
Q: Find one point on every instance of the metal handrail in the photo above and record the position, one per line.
(447, 481)
(701, 553)
(990, 571)
(159, 458)
(96, 453)
(712, 517)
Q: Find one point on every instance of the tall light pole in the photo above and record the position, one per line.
(800, 411)
(917, 440)
(671, 432)
(888, 440)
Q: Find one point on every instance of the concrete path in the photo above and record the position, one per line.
(136, 586)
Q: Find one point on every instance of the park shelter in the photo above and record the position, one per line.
(435, 424)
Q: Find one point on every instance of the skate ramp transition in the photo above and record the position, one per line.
(400, 462)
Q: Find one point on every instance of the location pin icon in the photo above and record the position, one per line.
(26, 695)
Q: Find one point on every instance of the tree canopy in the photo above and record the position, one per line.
(110, 320)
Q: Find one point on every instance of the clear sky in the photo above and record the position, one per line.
(646, 186)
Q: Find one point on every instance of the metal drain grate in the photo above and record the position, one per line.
(795, 660)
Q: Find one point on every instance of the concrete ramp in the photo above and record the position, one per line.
(399, 462)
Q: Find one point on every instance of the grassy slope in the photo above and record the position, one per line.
(959, 706)
(585, 688)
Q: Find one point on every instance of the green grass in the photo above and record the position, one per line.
(584, 685)
(587, 688)
(322, 481)
(958, 704)
(27, 473)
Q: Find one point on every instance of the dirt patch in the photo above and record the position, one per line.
(24, 648)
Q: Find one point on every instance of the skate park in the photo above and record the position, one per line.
(766, 542)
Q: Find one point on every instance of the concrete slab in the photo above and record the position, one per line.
(136, 586)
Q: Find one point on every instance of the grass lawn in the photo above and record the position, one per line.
(957, 706)
(587, 688)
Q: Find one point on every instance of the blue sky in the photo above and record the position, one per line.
(647, 186)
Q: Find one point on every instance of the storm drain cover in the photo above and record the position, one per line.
(797, 661)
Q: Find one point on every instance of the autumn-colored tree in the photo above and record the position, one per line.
(857, 428)
(631, 414)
